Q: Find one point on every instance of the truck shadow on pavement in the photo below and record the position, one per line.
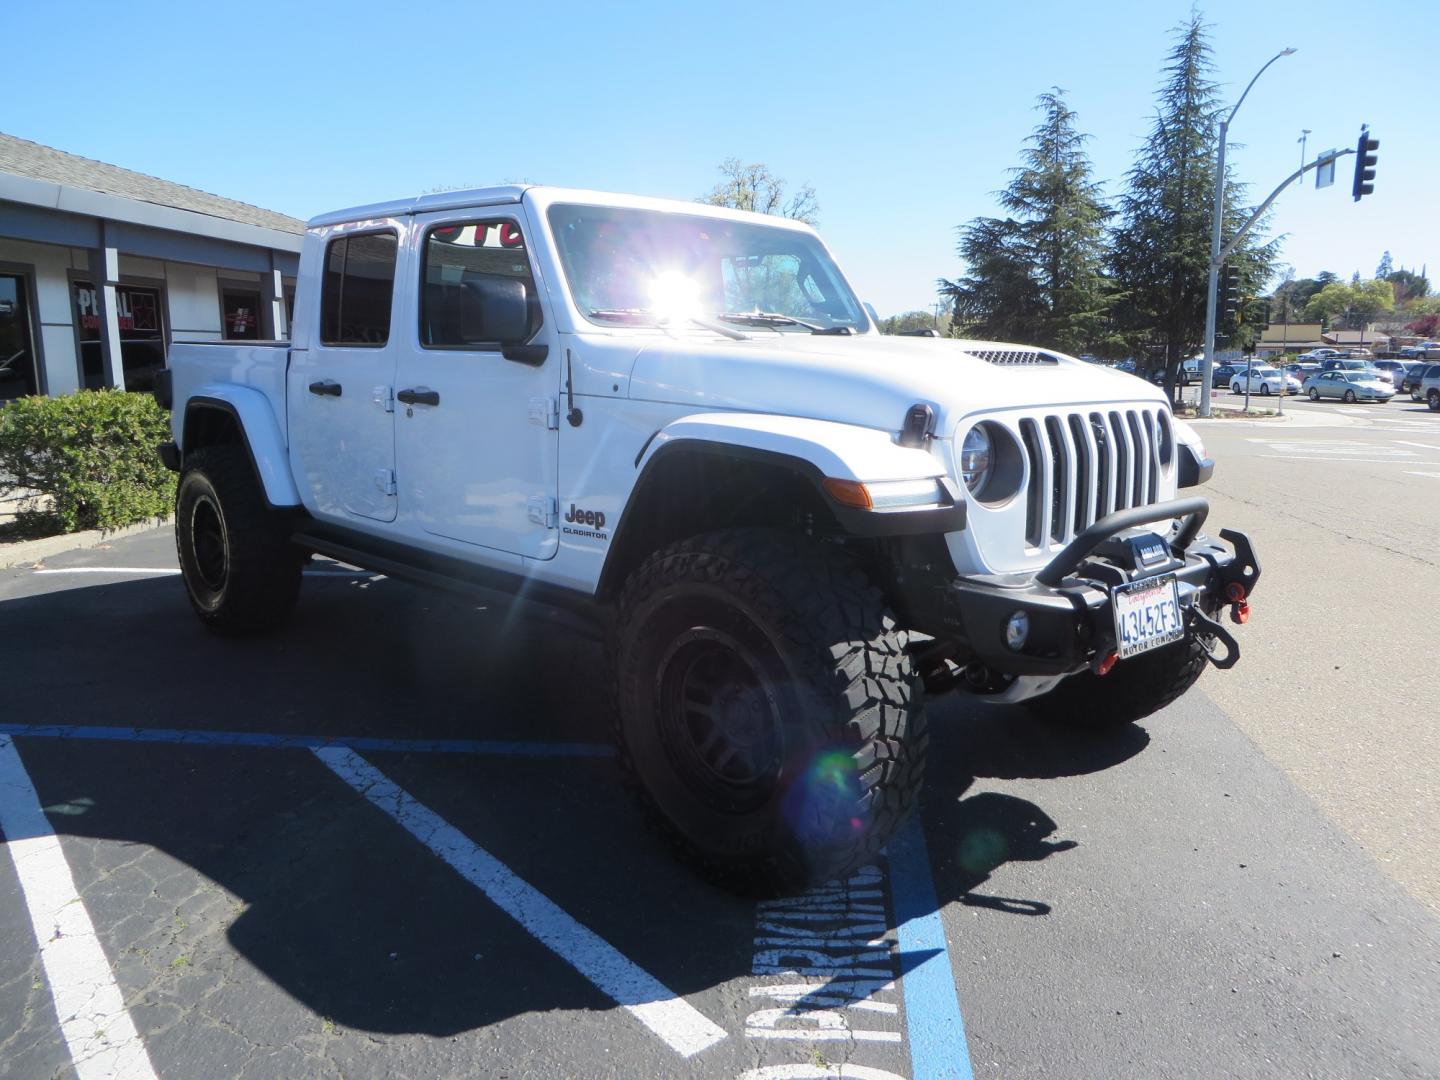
(219, 862)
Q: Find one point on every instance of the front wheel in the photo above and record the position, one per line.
(240, 571)
(1132, 690)
(1314, 394)
(1350, 396)
(769, 716)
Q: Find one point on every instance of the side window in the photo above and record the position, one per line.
(468, 263)
(358, 289)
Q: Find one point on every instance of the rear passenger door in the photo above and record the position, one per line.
(342, 427)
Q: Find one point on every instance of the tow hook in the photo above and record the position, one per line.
(1239, 606)
(1208, 631)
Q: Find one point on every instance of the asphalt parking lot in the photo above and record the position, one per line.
(390, 841)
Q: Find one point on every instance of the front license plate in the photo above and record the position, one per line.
(1147, 615)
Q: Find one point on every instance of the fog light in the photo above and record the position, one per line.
(1017, 629)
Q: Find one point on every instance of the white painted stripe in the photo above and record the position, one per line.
(99, 1032)
(1337, 458)
(1422, 445)
(109, 570)
(678, 1023)
(1413, 472)
(160, 570)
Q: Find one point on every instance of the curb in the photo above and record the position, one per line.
(23, 552)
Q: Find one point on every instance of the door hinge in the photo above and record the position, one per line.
(545, 411)
(385, 481)
(544, 510)
(384, 396)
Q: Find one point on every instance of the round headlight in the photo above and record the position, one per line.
(976, 458)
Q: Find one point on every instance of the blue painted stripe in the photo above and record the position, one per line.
(938, 1048)
(273, 741)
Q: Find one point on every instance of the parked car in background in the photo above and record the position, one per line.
(1343, 363)
(1314, 356)
(1390, 370)
(1430, 350)
(1265, 380)
(1222, 374)
(1301, 371)
(1349, 386)
(1411, 378)
(1426, 387)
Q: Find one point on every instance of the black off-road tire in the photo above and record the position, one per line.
(241, 572)
(769, 717)
(1131, 691)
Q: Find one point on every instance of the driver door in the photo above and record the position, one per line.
(477, 442)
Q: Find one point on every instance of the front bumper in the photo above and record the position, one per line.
(1068, 603)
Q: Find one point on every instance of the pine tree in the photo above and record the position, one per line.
(1386, 267)
(1038, 276)
(1161, 247)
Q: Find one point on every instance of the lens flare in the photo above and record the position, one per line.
(674, 296)
(824, 800)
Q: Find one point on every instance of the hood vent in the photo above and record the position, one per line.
(1014, 356)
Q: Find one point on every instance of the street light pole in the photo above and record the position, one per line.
(1217, 217)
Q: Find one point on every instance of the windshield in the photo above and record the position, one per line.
(645, 267)
(1360, 376)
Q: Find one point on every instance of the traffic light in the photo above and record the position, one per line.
(1364, 164)
(1229, 298)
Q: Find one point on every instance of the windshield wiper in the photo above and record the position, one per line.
(774, 318)
(655, 319)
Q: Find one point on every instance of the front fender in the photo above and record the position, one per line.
(259, 430)
(842, 451)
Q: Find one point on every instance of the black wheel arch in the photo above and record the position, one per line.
(693, 486)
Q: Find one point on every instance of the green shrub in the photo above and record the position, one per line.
(85, 461)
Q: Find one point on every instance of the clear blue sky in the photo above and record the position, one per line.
(904, 116)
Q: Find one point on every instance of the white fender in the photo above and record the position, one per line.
(844, 451)
(262, 434)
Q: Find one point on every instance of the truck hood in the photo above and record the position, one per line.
(868, 380)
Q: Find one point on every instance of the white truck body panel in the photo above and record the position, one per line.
(486, 477)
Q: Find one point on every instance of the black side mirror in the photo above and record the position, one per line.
(498, 309)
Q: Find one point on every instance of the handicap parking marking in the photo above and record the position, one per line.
(677, 1023)
(98, 1030)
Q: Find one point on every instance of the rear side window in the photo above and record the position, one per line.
(358, 289)
(463, 261)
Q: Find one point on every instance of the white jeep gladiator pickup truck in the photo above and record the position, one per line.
(678, 426)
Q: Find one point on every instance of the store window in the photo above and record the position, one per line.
(142, 334)
(17, 340)
(240, 311)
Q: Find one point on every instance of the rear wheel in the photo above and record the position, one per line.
(769, 716)
(240, 570)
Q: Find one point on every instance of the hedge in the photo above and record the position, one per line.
(87, 460)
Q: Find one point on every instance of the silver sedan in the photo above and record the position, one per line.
(1348, 386)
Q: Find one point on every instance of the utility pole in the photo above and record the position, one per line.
(1217, 217)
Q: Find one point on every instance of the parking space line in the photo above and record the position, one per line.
(98, 1030)
(677, 1023)
(272, 741)
(164, 571)
(938, 1047)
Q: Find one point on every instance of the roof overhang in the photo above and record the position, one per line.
(97, 204)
